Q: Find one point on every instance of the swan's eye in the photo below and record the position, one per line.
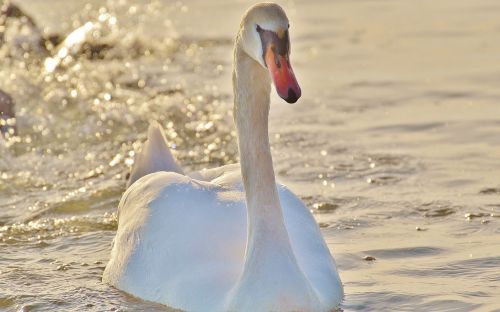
(276, 58)
(258, 28)
(288, 26)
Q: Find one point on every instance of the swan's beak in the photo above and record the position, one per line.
(282, 74)
(276, 54)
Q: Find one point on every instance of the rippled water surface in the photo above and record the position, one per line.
(394, 146)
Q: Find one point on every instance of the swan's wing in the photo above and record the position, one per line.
(308, 244)
(155, 156)
(310, 249)
(177, 237)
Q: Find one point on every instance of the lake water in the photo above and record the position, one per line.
(394, 145)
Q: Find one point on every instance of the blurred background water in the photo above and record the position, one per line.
(394, 145)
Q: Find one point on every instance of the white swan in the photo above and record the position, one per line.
(194, 243)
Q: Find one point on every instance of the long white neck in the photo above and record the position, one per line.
(271, 279)
(267, 236)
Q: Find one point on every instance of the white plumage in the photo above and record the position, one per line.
(213, 241)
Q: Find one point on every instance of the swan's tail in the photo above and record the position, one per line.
(155, 156)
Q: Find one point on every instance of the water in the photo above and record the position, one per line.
(394, 145)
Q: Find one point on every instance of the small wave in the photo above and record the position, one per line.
(44, 229)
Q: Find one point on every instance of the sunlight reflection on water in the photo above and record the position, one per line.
(395, 153)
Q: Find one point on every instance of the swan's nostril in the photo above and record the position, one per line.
(292, 96)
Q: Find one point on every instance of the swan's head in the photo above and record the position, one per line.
(264, 37)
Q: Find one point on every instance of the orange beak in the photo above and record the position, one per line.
(283, 77)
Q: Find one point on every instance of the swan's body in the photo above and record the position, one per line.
(230, 238)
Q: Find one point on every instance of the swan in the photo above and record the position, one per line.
(229, 238)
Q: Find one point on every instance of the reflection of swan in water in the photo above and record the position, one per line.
(7, 115)
(183, 241)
